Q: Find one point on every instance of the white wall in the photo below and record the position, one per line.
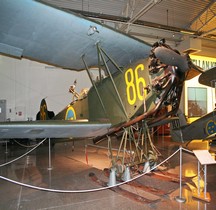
(23, 83)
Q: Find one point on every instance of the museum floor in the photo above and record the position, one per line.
(63, 181)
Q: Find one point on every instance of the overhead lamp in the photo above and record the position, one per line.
(187, 32)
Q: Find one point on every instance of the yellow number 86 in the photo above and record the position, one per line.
(134, 84)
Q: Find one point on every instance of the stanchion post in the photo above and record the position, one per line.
(205, 181)
(179, 198)
(6, 151)
(198, 168)
(50, 166)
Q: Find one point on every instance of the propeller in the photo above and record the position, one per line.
(172, 57)
(208, 77)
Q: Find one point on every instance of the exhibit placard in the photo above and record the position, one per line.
(204, 157)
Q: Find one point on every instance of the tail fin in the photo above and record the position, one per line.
(201, 129)
(44, 114)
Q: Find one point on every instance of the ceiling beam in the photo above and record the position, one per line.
(119, 19)
(198, 17)
(133, 19)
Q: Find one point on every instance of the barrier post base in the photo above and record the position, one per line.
(180, 199)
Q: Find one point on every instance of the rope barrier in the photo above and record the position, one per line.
(186, 150)
(87, 190)
(23, 145)
(4, 164)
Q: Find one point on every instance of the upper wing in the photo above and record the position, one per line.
(208, 77)
(39, 32)
(52, 129)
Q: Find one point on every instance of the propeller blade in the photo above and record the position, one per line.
(208, 77)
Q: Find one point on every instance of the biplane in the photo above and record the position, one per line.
(138, 86)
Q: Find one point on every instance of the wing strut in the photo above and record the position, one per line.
(101, 54)
(87, 69)
(114, 63)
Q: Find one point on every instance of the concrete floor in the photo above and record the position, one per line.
(70, 172)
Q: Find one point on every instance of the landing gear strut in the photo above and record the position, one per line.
(135, 149)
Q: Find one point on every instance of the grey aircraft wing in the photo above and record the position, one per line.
(30, 29)
(52, 129)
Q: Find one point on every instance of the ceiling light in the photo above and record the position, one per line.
(187, 32)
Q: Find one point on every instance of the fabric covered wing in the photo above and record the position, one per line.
(39, 32)
(52, 129)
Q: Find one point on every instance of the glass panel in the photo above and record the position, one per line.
(197, 101)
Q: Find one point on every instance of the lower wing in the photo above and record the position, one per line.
(52, 129)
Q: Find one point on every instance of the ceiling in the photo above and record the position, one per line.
(151, 20)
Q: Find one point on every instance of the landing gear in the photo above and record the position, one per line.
(135, 150)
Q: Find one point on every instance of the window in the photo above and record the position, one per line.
(197, 101)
